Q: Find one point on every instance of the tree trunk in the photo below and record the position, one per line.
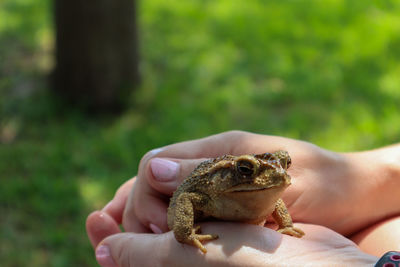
(96, 53)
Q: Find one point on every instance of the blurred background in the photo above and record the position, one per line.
(87, 89)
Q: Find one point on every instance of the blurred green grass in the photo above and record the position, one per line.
(323, 71)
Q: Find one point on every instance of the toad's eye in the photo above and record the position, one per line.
(288, 163)
(245, 167)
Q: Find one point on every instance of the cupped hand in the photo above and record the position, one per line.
(238, 245)
(327, 188)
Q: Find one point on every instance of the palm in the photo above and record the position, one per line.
(241, 245)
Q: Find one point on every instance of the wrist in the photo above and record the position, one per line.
(377, 172)
(387, 174)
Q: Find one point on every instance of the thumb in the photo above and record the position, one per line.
(166, 174)
(129, 250)
(147, 206)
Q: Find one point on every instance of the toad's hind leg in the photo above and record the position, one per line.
(283, 219)
(184, 219)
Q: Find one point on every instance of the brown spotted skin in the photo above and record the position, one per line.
(244, 188)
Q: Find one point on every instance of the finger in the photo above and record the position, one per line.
(100, 225)
(233, 142)
(212, 146)
(116, 206)
(146, 198)
(128, 250)
(166, 174)
(151, 207)
(146, 212)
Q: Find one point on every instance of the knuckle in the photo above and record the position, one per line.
(124, 255)
(236, 137)
(145, 159)
(235, 133)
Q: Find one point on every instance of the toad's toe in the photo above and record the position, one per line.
(292, 231)
(194, 239)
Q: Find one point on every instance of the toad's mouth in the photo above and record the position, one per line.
(243, 188)
(249, 189)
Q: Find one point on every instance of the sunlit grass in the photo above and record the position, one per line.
(92, 192)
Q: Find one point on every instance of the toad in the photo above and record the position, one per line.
(244, 188)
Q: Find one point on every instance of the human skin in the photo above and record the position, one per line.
(380, 238)
(239, 244)
(364, 190)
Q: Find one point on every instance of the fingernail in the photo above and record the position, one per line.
(156, 151)
(164, 170)
(155, 229)
(103, 256)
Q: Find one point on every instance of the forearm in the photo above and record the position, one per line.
(386, 167)
(377, 173)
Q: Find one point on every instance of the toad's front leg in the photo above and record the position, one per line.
(283, 219)
(184, 221)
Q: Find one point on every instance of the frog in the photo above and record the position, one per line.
(243, 188)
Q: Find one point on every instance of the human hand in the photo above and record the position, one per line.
(238, 245)
(310, 198)
(328, 188)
